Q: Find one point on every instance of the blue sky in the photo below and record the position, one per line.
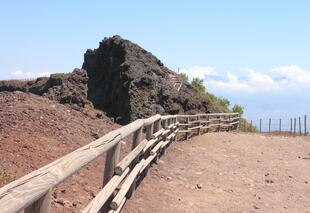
(256, 53)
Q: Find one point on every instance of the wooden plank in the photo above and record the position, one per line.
(150, 144)
(234, 123)
(128, 159)
(147, 162)
(165, 144)
(183, 124)
(96, 204)
(194, 122)
(33, 186)
(43, 205)
(157, 147)
(126, 185)
(205, 122)
(157, 134)
(183, 131)
(120, 207)
(194, 128)
(151, 120)
(149, 131)
(112, 159)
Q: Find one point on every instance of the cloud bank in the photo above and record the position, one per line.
(276, 80)
(19, 74)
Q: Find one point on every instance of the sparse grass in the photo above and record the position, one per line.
(245, 126)
(60, 75)
(55, 192)
(6, 178)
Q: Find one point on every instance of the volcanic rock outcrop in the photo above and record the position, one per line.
(121, 79)
(129, 83)
(70, 88)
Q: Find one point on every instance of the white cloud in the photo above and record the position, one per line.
(251, 82)
(19, 74)
(285, 78)
(294, 74)
(199, 72)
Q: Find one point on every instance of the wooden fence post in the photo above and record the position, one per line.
(112, 159)
(198, 130)
(269, 125)
(294, 126)
(280, 123)
(260, 125)
(135, 142)
(305, 122)
(291, 126)
(186, 128)
(299, 122)
(149, 131)
(43, 205)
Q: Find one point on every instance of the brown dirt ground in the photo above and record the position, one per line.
(35, 131)
(228, 172)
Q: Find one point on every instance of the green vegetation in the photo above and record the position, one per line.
(60, 75)
(198, 84)
(245, 126)
(237, 108)
(224, 102)
(183, 76)
(5, 178)
(55, 192)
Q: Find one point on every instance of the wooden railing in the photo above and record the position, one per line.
(32, 193)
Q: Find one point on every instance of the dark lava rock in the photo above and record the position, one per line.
(128, 83)
(69, 88)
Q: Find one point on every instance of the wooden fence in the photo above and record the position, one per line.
(150, 138)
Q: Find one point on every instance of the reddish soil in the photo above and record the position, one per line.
(228, 172)
(35, 131)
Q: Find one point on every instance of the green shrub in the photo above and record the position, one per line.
(224, 102)
(245, 126)
(237, 108)
(198, 84)
(183, 76)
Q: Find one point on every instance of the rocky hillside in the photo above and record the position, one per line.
(68, 88)
(128, 83)
(121, 79)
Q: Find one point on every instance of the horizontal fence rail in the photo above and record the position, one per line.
(150, 138)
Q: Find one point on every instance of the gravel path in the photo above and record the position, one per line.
(228, 172)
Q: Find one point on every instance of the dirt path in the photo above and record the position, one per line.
(228, 172)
